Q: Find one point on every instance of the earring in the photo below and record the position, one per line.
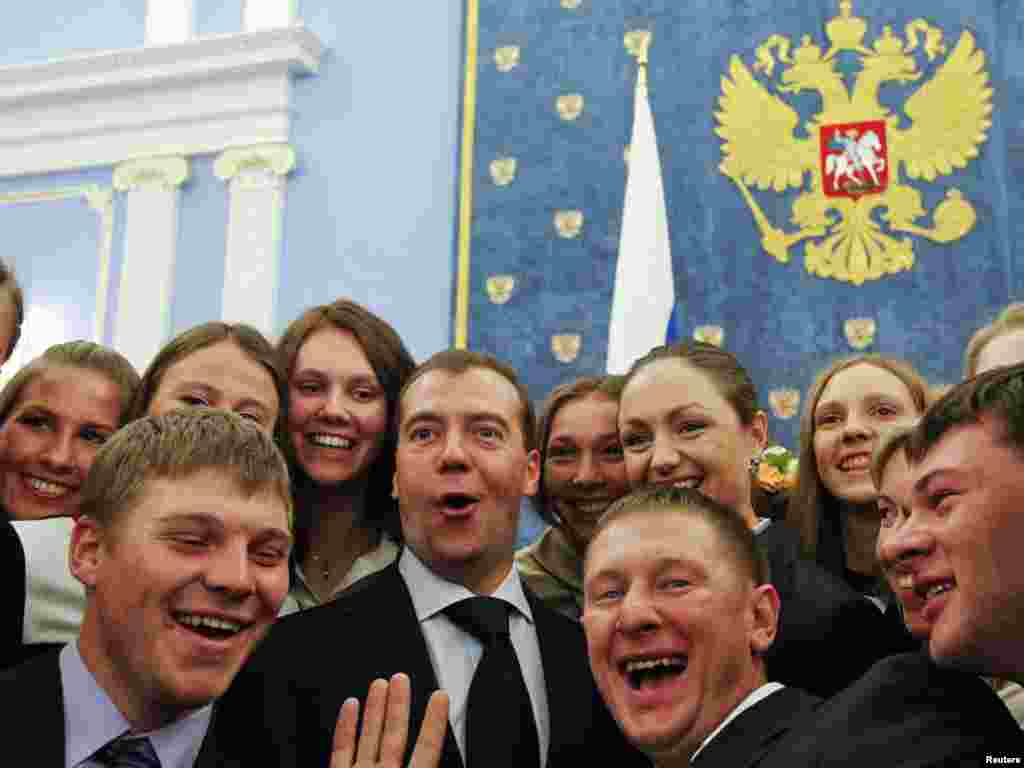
(755, 463)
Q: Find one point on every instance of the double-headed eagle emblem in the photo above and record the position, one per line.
(859, 153)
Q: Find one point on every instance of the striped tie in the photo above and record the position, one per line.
(128, 753)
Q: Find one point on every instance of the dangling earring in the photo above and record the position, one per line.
(755, 463)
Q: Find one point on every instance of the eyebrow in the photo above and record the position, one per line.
(43, 409)
(674, 412)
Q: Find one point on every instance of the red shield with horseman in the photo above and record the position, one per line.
(854, 159)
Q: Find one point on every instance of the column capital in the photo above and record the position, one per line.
(272, 159)
(167, 172)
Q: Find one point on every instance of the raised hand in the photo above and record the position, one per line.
(385, 731)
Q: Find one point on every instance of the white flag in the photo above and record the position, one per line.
(644, 290)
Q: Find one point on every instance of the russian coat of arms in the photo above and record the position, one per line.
(858, 214)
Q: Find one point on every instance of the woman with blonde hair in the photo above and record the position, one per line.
(55, 413)
(1001, 342)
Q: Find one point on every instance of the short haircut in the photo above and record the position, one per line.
(733, 533)
(9, 285)
(459, 361)
(176, 445)
(891, 442)
(577, 389)
(1010, 320)
(998, 392)
(198, 338)
(83, 355)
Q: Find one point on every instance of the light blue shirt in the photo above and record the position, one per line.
(455, 653)
(91, 721)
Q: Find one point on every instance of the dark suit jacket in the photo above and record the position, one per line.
(905, 712)
(828, 635)
(35, 709)
(756, 731)
(285, 702)
(12, 595)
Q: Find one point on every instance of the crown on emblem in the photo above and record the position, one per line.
(846, 31)
(889, 44)
(807, 53)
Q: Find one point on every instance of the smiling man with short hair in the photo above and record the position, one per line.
(183, 548)
(678, 613)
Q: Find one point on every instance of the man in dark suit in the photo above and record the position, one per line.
(183, 548)
(466, 456)
(678, 615)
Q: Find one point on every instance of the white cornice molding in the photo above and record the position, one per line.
(278, 159)
(199, 96)
(167, 172)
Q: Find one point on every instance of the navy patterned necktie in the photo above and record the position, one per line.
(128, 753)
(500, 725)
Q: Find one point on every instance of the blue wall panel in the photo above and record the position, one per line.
(783, 323)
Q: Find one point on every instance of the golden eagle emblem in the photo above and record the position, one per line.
(859, 154)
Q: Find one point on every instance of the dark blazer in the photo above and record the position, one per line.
(756, 731)
(35, 707)
(12, 595)
(905, 712)
(285, 702)
(828, 635)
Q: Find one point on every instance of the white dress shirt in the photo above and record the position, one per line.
(54, 599)
(752, 698)
(454, 653)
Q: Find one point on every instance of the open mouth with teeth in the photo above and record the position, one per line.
(209, 627)
(689, 482)
(47, 488)
(928, 591)
(325, 440)
(860, 462)
(650, 672)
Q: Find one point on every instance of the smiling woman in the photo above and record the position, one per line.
(688, 418)
(582, 472)
(834, 507)
(55, 414)
(345, 368)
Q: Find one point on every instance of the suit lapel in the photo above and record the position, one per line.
(746, 739)
(566, 674)
(399, 636)
(40, 709)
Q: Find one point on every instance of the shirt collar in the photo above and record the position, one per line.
(91, 720)
(752, 698)
(431, 594)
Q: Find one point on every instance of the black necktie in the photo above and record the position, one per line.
(128, 753)
(500, 727)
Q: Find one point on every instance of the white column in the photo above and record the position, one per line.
(268, 14)
(256, 179)
(169, 21)
(150, 245)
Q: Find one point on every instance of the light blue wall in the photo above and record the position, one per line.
(202, 240)
(36, 31)
(371, 206)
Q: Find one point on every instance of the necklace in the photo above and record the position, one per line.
(322, 565)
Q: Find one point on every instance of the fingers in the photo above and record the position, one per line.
(396, 721)
(381, 739)
(429, 744)
(344, 748)
(373, 722)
